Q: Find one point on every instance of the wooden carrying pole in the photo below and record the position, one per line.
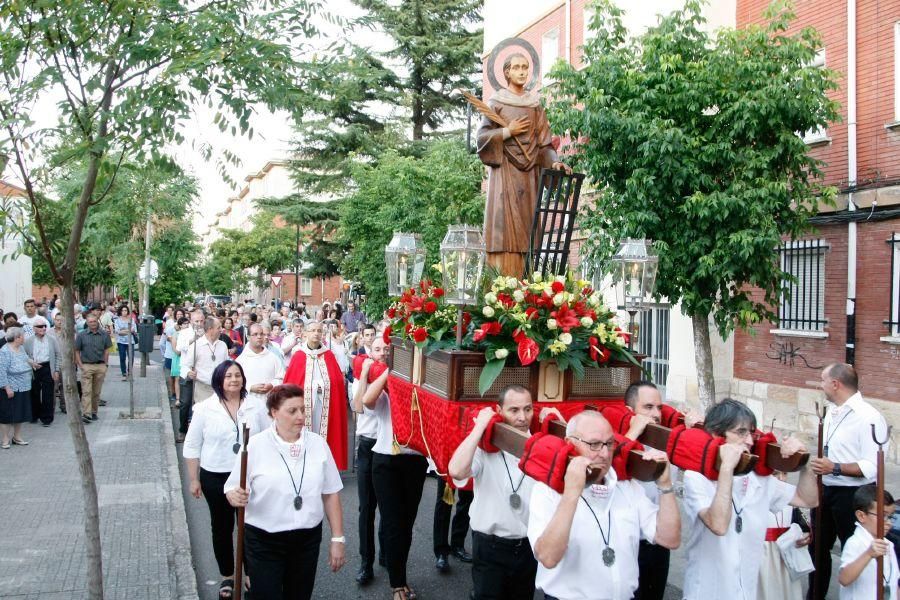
(879, 503)
(239, 548)
(817, 522)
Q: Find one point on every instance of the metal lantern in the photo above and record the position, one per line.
(634, 275)
(405, 260)
(462, 262)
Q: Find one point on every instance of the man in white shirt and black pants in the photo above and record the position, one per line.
(367, 434)
(586, 539)
(203, 356)
(503, 563)
(849, 462)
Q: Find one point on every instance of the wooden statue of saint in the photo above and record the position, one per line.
(515, 155)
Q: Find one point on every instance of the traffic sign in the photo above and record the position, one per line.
(276, 280)
(148, 276)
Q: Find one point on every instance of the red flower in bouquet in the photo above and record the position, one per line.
(599, 354)
(430, 307)
(420, 334)
(437, 292)
(408, 328)
(557, 287)
(392, 313)
(587, 291)
(486, 329)
(531, 312)
(528, 350)
(623, 334)
(386, 336)
(565, 318)
(416, 303)
(505, 299)
(545, 300)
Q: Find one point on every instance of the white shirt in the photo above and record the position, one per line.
(581, 574)
(490, 512)
(864, 586)
(186, 337)
(384, 435)
(848, 438)
(272, 493)
(367, 421)
(27, 324)
(288, 343)
(204, 356)
(41, 349)
(261, 367)
(739, 555)
(212, 433)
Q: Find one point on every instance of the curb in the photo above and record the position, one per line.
(181, 561)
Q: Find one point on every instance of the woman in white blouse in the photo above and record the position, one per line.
(292, 484)
(210, 446)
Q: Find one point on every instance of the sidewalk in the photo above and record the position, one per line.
(146, 551)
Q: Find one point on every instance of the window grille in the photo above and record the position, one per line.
(653, 341)
(893, 320)
(802, 306)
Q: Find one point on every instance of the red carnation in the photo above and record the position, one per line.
(420, 334)
(430, 307)
(557, 287)
(467, 318)
(386, 336)
(407, 328)
(438, 292)
(392, 312)
(528, 351)
(587, 291)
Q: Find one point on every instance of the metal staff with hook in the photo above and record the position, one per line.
(239, 547)
(821, 410)
(879, 503)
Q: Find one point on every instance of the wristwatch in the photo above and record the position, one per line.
(836, 470)
(340, 540)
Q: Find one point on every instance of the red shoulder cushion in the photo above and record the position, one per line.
(618, 415)
(375, 370)
(620, 458)
(670, 417)
(761, 449)
(694, 450)
(485, 443)
(545, 459)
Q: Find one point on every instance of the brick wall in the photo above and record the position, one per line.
(333, 287)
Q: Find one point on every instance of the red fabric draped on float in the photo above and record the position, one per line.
(445, 423)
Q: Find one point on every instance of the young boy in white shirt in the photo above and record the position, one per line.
(857, 574)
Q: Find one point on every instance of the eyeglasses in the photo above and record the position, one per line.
(742, 432)
(595, 446)
(887, 517)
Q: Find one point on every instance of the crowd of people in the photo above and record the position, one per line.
(288, 377)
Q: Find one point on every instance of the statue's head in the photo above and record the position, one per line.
(515, 69)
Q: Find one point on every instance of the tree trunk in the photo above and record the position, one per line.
(82, 449)
(703, 358)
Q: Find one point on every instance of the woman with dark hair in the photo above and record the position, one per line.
(210, 446)
(234, 335)
(125, 329)
(294, 483)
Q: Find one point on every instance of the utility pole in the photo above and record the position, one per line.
(297, 270)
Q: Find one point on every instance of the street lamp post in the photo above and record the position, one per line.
(634, 274)
(462, 262)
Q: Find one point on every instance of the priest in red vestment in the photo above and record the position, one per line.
(318, 371)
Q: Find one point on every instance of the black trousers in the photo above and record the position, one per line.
(442, 520)
(282, 565)
(187, 404)
(838, 523)
(368, 503)
(653, 571)
(398, 487)
(221, 518)
(42, 394)
(502, 569)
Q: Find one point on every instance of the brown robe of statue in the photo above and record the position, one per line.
(513, 178)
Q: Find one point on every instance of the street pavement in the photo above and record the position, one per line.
(155, 537)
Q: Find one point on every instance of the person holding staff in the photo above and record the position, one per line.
(849, 462)
(292, 484)
(212, 441)
(858, 570)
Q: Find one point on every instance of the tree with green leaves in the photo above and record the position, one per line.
(405, 193)
(693, 141)
(129, 75)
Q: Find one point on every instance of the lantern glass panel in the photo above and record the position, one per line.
(405, 261)
(462, 262)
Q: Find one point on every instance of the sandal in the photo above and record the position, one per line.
(226, 589)
(399, 594)
(410, 594)
(5, 446)
(18, 442)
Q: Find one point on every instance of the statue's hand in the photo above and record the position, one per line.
(519, 126)
(562, 167)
